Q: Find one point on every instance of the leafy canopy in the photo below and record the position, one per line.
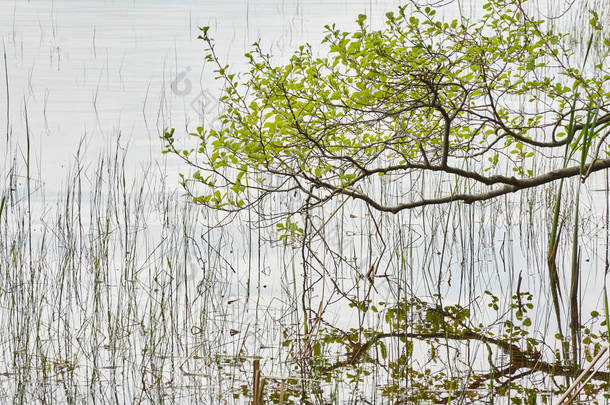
(492, 103)
(484, 106)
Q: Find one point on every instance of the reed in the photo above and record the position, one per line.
(118, 290)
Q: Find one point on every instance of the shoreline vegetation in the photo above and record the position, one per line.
(132, 294)
(123, 288)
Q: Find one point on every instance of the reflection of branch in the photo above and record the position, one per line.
(505, 372)
(519, 359)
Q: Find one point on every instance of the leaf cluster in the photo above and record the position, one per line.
(459, 97)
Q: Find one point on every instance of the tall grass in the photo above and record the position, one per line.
(118, 290)
(109, 298)
(131, 294)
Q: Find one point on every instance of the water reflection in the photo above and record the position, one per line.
(129, 270)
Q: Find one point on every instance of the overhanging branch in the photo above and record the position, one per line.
(514, 186)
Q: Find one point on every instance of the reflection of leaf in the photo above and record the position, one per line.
(317, 348)
(384, 350)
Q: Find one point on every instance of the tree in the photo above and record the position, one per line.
(473, 100)
(494, 105)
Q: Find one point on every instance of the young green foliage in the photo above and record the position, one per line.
(476, 100)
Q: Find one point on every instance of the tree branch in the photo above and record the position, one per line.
(513, 186)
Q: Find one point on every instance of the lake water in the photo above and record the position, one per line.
(141, 298)
(87, 71)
